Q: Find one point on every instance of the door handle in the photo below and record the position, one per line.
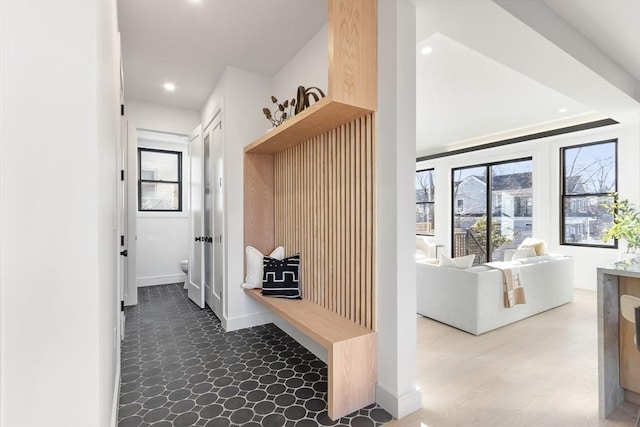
(124, 253)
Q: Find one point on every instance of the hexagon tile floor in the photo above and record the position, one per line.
(179, 369)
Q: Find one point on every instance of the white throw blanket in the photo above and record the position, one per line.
(513, 285)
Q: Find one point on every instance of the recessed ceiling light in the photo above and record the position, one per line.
(562, 110)
(169, 87)
(426, 50)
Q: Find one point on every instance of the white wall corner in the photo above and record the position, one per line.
(399, 406)
(247, 321)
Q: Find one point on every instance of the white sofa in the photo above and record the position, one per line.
(472, 299)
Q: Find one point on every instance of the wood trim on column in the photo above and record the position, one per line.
(353, 52)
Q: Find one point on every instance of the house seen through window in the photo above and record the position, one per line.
(493, 200)
(588, 179)
(160, 180)
(425, 191)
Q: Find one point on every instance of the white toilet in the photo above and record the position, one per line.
(184, 266)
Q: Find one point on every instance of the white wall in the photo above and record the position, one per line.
(108, 133)
(546, 189)
(161, 117)
(309, 67)
(59, 301)
(163, 237)
(396, 389)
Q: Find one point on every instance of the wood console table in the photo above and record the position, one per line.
(618, 358)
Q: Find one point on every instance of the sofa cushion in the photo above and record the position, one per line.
(541, 259)
(538, 245)
(420, 255)
(281, 277)
(255, 265)
(426, 247)
(524, 253)
(459, 262)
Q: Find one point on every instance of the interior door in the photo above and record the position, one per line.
(196, 195)
(217, 220)
(208, 223)
(121, 206)
(123, 264)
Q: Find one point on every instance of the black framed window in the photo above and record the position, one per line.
(589, 176)
(493, 199)
(159, 180)
(425, 202)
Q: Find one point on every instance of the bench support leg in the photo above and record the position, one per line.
(351, 375)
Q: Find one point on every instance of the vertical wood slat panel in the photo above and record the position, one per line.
(369, 269)
(334, 222)
(324, 209)
(340, 220)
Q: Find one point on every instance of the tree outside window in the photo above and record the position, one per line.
(589, 176)
(425, 202)
(492, 208)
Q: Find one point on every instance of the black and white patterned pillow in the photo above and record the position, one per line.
(280, 277)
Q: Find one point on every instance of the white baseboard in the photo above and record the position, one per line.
(399, 406)
(115, 403)
(248, 321)
(160, 280)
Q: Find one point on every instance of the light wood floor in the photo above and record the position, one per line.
(542, 371)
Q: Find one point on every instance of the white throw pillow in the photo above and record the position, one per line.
(254, 265)
(524, 253)
(423, 244)
(540, 246)
(420, 255)
(459, 262)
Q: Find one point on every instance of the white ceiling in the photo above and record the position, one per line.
(463, 96)
(189, 42)
(611, 25)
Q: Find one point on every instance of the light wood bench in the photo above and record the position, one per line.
(351, 349)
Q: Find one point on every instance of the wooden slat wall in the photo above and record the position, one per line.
(324, 210)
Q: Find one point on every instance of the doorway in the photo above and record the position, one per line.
(157, 181)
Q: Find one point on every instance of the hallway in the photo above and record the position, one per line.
(180, 369)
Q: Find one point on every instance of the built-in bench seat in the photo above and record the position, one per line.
(351, 350)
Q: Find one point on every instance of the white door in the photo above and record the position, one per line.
(213, 252)
(131, 176)
(121, 205)
(208, 223)
(196, 195)
(217, 157)
(123, 271)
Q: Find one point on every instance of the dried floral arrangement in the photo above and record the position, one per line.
(287, 109)
(280, 114)
(304, 96)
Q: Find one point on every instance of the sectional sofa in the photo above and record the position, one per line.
(472, 299)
